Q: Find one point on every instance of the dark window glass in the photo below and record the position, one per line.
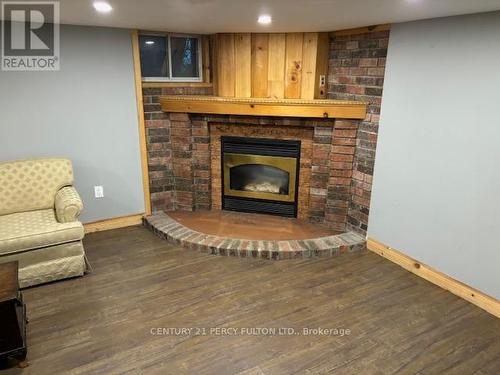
(184, 57)
(154, 57)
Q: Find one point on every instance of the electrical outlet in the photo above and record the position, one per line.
(98, 191)
(322, 80)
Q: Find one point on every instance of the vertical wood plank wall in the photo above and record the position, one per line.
(242, 56)
(271, 65)
(226, 84)
(276, 70)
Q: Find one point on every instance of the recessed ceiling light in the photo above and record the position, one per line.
(150, 42)
(264, 19)
(102, 6)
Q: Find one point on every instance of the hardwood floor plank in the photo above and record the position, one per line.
(102, 323)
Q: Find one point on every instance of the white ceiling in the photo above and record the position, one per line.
(211, 16)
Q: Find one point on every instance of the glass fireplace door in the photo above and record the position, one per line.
(259, 176)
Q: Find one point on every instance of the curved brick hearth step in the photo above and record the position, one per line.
(166, 227)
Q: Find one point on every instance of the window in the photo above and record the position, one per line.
(170, 57)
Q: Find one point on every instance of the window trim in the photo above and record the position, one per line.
(169, 56)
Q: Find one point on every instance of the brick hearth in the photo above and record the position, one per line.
(171, 230)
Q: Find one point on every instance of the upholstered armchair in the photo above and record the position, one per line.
(39, 227)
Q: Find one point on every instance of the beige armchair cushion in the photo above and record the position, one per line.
(68, 204)
(32, 184)
(34, 229)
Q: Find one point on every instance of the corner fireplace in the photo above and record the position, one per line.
(260, 175)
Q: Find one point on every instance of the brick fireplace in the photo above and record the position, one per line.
(185, 161)
(337, 156)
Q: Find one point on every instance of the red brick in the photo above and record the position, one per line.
(339, 181)
(344, 141)
(357, 175)
(351, 133)
(357, 191)
(358, 71)
(376, 72)
(180, 124)
(345, 80)
(343, 150)
(345, 124)
(368, 62)
(180, 132)
(342, 157)
(319, 169)
(338, 203)
(200, 131)
(359, 90)
(361, 201)
(341, 173)
(341, 165)
(179, 116)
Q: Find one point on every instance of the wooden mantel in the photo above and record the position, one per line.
(315, 108)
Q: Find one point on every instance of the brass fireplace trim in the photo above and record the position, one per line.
(284, 163)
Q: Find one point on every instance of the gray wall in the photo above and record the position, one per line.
(436, 193)
(86, 112)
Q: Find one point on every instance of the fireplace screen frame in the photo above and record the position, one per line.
(283, 163)
(278, 153)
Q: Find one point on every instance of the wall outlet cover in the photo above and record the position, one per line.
(99, 191)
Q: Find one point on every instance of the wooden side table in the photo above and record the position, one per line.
(12, 314)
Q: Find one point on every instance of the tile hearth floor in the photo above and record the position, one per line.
(249, 226)
(250, 236)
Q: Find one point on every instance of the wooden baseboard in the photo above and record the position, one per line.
(490, 304)
(114, 223)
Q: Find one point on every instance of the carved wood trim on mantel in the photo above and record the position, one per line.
(315, 108)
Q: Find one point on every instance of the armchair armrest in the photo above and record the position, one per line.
(68, 204)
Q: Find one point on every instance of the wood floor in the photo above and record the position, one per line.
(250, 226)
(101, 324)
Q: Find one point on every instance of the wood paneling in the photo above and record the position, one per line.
(226, 71)
(309, 55)
(140, 121)
(213, 61)
(260, 60)
(280, 65)
(276, 66)
(263, 106)
(472, 295)
(323, 51)
(293, 65)
(242, 60)
(205, 50)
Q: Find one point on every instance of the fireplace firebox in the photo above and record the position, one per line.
(260, 175)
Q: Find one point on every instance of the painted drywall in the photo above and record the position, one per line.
(85, 112)
(436, 189)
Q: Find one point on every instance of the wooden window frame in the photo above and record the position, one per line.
(171, 79)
